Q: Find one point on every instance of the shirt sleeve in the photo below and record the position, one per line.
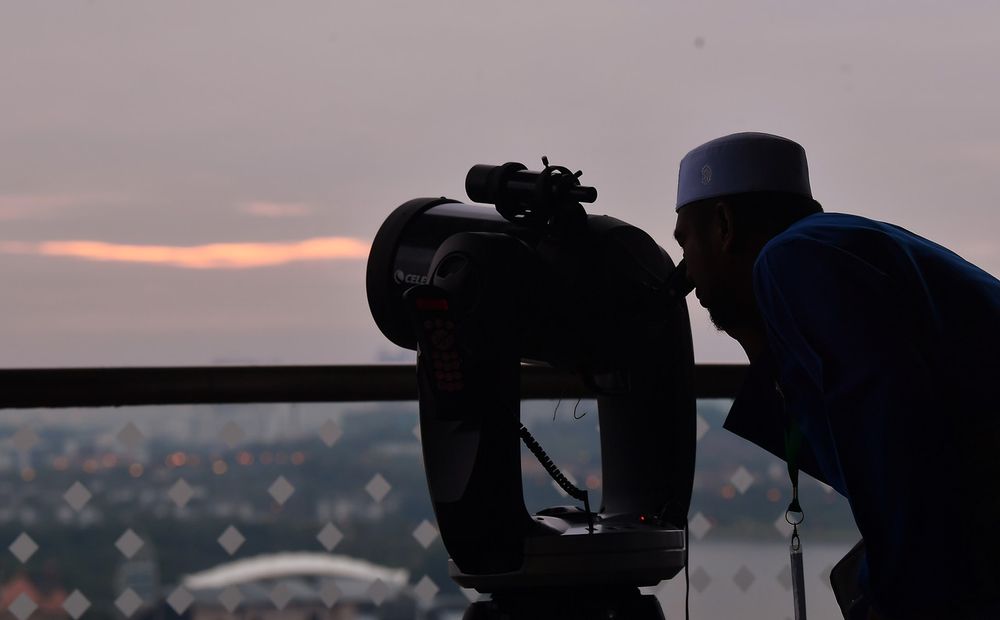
(845, 322)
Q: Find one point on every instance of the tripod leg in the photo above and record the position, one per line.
(481, 610)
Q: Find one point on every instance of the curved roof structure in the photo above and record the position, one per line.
(297, 564)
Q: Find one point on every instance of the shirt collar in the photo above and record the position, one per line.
(756, 414)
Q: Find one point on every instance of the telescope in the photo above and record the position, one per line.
(478, 291)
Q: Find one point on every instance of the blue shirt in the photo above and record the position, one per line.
(887, 350)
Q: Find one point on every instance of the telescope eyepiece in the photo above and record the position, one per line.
(527, 196)
(485, 182)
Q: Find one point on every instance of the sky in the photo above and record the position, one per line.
(188, 182)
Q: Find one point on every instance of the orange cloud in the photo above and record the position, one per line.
(211, 256)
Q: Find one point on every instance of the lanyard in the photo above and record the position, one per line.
(794, 514)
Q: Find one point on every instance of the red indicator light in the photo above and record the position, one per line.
(425, 303)
(642, 517)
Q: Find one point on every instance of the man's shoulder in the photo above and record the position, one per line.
(833, 229)
(841, 240)
(836, 256)
(830, 259)
(821, 236)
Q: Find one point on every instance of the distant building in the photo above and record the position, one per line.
(297, 586)
(141, 574)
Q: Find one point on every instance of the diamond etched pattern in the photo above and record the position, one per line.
(329, 536)
(559, 489)
(23, 547)
(378, 592)
(180, 599)
(231, 598)
(330, 432)
(825, 576)
(231, 540)
(24, 439)
(180, 493)
(22, 607)
(699, 525)
(281, 489)
(700, 579)
(129, 543)
(425, 534)
(280, 596)
(76, 604)
(743, 578)
(426, 590)
(701, 427)
(77, 496)
(742, 479)
(231, 434)
(128, 602)
(329, 593)
(378, 487)
(783, 526)
(130, 436)
(785, 578)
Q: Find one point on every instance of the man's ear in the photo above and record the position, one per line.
(724, 223)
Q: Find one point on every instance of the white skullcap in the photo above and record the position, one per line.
(743, 162)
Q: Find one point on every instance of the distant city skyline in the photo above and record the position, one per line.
(186, 183)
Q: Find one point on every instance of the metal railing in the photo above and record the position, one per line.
(115, 387)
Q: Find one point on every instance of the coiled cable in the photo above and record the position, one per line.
(553, 471)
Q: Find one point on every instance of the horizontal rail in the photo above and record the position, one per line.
(115, 387)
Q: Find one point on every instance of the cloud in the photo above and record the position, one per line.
(276, 209)
(36, 206)
(210, 256)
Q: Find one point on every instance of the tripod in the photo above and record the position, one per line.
(577, 603)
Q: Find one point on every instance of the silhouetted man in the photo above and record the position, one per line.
(880, 349)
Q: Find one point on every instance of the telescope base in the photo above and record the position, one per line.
(610, 555)
(578, 604)
(581, 574)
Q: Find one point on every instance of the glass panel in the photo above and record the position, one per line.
(738, 560)
(213, 509)
(232, 510)
(568, 432)
(739, 538)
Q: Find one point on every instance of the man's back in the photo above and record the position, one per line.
(956, 301)
(887, 347)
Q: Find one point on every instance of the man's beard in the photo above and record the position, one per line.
(729, 316)
(722, 319)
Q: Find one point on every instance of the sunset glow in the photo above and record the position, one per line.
(210, 256)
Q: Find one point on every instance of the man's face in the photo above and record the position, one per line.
(700, 256)
(701, 233)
